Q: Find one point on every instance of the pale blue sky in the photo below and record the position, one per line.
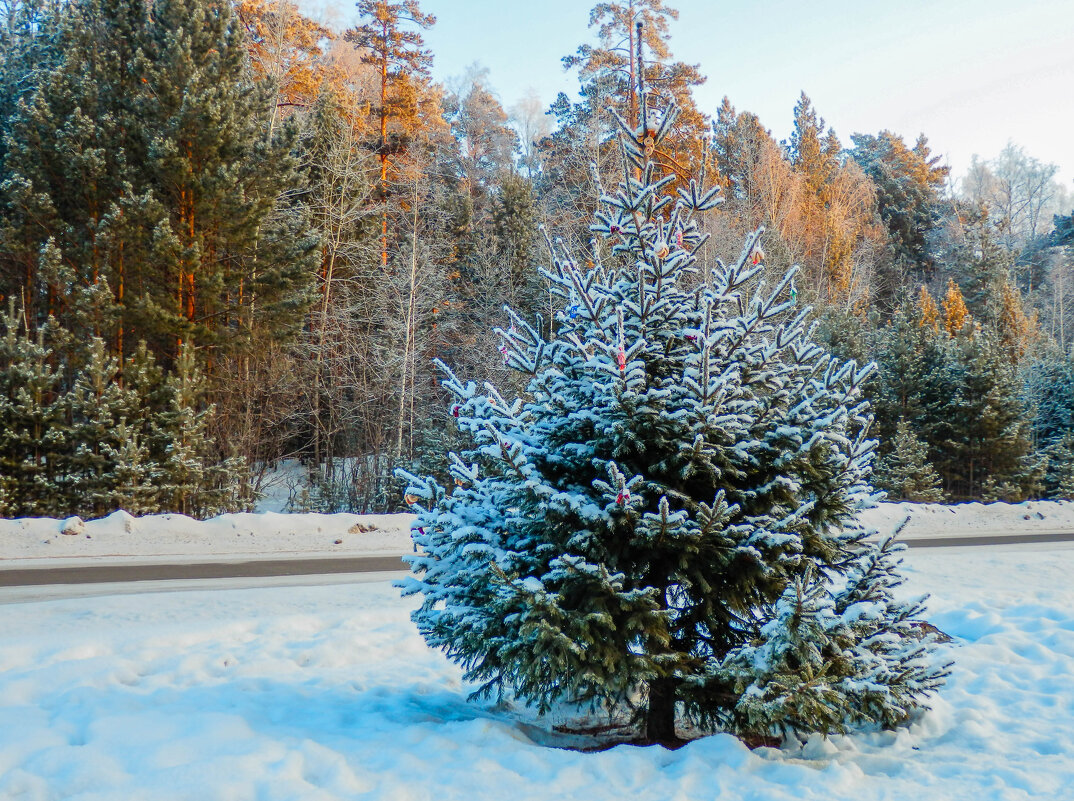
(970, 75)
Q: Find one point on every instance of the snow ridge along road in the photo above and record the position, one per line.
(170, 547)
(116, 572)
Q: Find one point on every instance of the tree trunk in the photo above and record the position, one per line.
(409, 340)
(384, 150)
(120, 288)
(660, 715)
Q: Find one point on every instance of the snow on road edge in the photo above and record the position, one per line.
(121, 537)
(267, 534)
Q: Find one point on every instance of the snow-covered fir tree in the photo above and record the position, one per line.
(675, 493)
(93, 443)
(1059, 473)
(905, 473)
(190, 477)
(102, 456)
(131, 487)
(35, 438)
(1049, 391)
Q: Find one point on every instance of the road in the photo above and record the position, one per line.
(990, 539)
(266, 568)
(274, 568)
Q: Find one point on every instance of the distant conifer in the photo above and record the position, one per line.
(955, 313)
(905, 473)
(928, 312)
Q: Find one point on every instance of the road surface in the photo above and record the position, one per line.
(270, 568)
(266, 568)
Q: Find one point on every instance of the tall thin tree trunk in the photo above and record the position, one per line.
(190, 297)
(1062, 309)
(120, 288)
(322, 339)
(408, 347)
(179, 297)
(384, 153)
(277, 65)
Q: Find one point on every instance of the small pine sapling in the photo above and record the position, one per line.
(905, 473)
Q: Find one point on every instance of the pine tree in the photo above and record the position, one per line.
(68, 164)
(1059, 472)
(904, 354)
(984, 423)
(35, 439)
(190, 477)
(96, 442)
(233, 254)
(837, 206)
(908, 185)
(1049, 389)
(905, 473)
(6, 508)
(285, 51)
(813, 151)
(391, 42)
(135, 196)
(514, 215)
(107, 453)
(610, 73)
(741, 145)
(683, 456)
(1062, 230)
(955, 313)
(961, 397)
(928, 311)
(965, 247)
(29, 47)
(1016, 329)
(474, 171)
(131, 485)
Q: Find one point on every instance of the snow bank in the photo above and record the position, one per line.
(971, 519)
(267, 534)
(328, 693)
(238, 535)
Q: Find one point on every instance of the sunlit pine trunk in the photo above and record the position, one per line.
(384, 149)
(186, 291)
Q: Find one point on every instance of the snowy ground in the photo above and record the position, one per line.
(326, 692)
(120, 537)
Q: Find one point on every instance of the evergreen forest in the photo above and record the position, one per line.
(232, 238)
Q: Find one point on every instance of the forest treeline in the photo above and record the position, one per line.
(230, 236)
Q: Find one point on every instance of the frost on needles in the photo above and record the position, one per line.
(665, 522)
